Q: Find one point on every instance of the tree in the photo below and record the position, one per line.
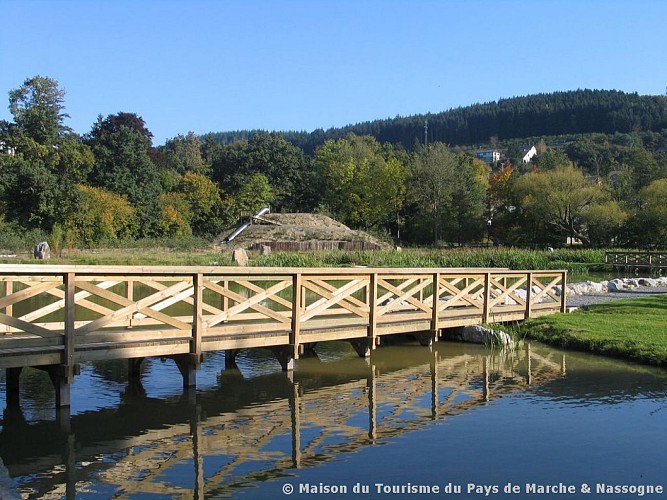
(183, 154)
(465, 220)
(648, 226)
(101, 216)
(255, 194)
(176, 215)
(204, 203)
(37, 182)
(269, 154)
(604, 223)
(37, 107)
(434, 172)
(362, 183)
(559, 198)
(121, 146)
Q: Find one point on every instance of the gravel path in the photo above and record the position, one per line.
(597, 298)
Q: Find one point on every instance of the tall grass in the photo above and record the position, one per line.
(578, 261)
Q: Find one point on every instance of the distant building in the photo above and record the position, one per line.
(7, 150)
(490, 156)
(527, 153)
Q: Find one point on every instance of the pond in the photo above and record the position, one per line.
(410, 422)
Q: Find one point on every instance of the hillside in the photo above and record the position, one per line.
(558, 113)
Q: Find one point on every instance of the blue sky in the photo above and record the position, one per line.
(218, 65)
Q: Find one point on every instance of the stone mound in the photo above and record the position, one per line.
(302, 232)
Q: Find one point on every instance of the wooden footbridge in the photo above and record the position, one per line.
(641, 261)
(57, 317)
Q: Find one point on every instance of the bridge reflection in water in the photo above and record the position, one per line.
(251, 430)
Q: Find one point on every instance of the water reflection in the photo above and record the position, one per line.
(255, 425)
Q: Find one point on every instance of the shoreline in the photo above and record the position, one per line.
(587, 293)
(625, 324)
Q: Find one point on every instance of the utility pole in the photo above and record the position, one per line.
(426, 133)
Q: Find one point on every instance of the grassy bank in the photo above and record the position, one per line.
(634, 329)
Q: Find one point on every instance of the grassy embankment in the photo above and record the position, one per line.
(633, 329)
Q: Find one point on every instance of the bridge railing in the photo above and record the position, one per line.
(71, 314)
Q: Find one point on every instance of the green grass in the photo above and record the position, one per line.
(634, 329)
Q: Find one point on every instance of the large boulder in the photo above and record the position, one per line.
(476, 334)
(42, 250)
(240, 257)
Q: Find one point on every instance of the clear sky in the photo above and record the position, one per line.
(219, 65)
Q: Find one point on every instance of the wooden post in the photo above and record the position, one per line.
(9, 289)
(435, 313)
(68, 353)
(129, 294)
(225, 299)
(372, 311)
(529, 295)
(563, 295)
(197, 317)
(486, 314)
(297, 291)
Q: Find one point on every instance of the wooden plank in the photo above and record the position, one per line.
(28, 327)
(27, 293)
(124, 335)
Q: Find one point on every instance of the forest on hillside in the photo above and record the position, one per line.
(599, 178)
(559, 113)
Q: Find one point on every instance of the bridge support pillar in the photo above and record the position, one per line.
(230, 357)
(12, 385)
(428, 338)
(61, 377)
(285, 356)
(188, 365)
(307, 350)
(363, 347)
(134, 375)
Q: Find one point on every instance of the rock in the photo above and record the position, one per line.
(240, 257)
(615, 285)
(42, 250)
(264, 250)
(476, 334)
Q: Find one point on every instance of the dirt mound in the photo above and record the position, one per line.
(300, 232)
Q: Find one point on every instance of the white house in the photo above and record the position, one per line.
(528, 152)
(7, 150)
(490, 156)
